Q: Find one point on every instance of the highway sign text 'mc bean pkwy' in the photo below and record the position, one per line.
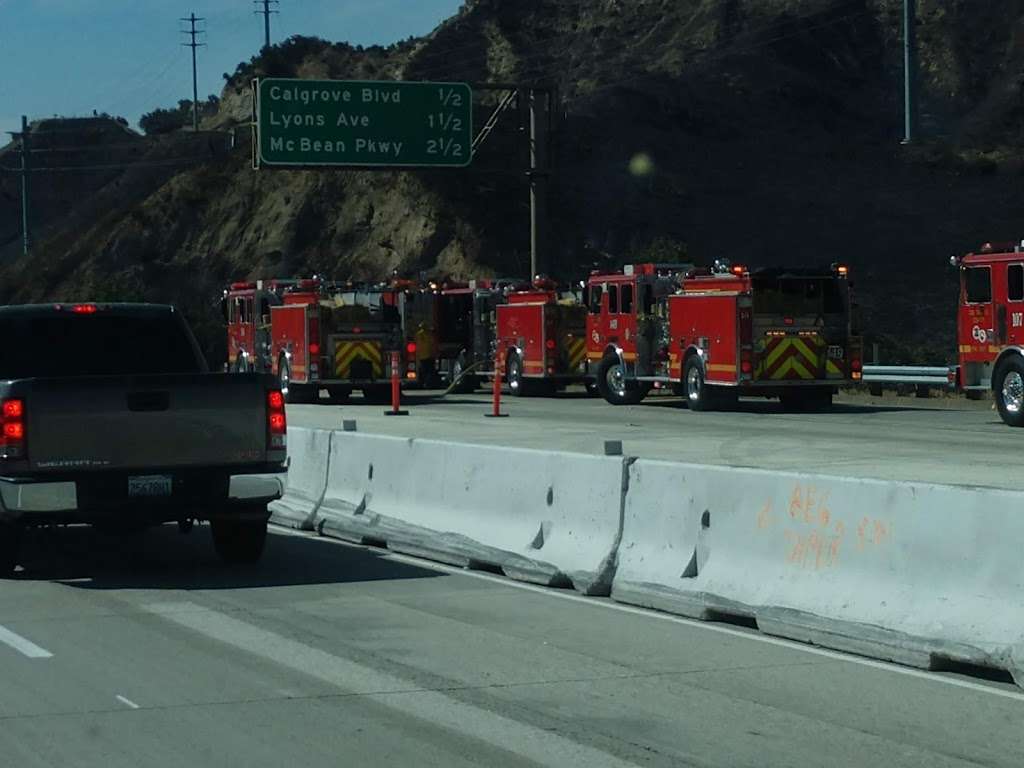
(362, 123)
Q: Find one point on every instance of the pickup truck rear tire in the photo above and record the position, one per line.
(10, 548)
(239, 541)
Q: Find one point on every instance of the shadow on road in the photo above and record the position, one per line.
(775, 407)
(162, 558)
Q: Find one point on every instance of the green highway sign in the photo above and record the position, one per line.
(363, 123)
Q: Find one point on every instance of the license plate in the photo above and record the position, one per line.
(150, 485)
(835, 353)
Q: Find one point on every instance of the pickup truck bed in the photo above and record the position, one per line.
(110, 416)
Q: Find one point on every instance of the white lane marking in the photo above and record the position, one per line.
(885, 666)
(127, 702)
(543, 747)
(23, 646)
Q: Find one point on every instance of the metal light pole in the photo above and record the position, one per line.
(26, 149)
(909, 71)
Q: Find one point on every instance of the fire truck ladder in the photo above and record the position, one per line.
(492, 121)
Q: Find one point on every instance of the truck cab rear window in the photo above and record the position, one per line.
(978, 285)
(61, 345)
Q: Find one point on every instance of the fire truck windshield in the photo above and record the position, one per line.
(784, 295)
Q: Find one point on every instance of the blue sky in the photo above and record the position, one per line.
(69, 57)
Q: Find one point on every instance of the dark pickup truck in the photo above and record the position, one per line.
(110, 417)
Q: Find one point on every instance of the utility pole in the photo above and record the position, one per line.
(266, 11)
(909, 70)
(540, 110)
(26, 154)
(192, 32)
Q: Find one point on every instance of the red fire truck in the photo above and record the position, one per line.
(990, 327)
(716, 334)
(314, 335)
(541, 338)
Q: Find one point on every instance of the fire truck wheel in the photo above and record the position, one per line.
(462, 384)
(1009, 391)
(517, 384)
(10, 546)
(615, 387)
(699, 396)
(293, 393)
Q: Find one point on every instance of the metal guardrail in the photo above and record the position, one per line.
(944, 376)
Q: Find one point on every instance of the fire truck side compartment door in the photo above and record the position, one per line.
(1015, 303)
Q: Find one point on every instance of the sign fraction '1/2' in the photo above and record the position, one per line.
(445, 121)
(450, 97)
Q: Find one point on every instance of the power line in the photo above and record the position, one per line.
(195, 85)
(113, 166)
(265, 13)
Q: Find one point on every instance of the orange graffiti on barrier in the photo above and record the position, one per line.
(820, 546)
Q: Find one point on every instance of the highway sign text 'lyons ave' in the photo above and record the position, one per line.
(361, 123)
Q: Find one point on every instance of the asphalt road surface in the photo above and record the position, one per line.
(145, 651)
(943, 440)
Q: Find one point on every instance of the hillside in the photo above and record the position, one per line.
(772, 129)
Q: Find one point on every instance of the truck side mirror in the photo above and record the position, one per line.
(224, 308)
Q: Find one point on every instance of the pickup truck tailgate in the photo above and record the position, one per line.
(159, 421)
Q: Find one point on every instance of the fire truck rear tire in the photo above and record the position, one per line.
(467, 383)
(518, 385)
(630, 393)
(1008, 391)
(699, 396)
(296, 393)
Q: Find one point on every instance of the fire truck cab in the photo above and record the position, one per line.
(627, 345)
(990, 326)
(314, 335)
(724, 332)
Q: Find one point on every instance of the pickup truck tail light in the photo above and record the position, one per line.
(12, 429)
(277, 424)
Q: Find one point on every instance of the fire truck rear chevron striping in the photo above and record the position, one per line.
(716, 334)
(314, 335)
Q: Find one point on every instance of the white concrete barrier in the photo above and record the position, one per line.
(915, 573)
(308, 453)
(539, 516)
